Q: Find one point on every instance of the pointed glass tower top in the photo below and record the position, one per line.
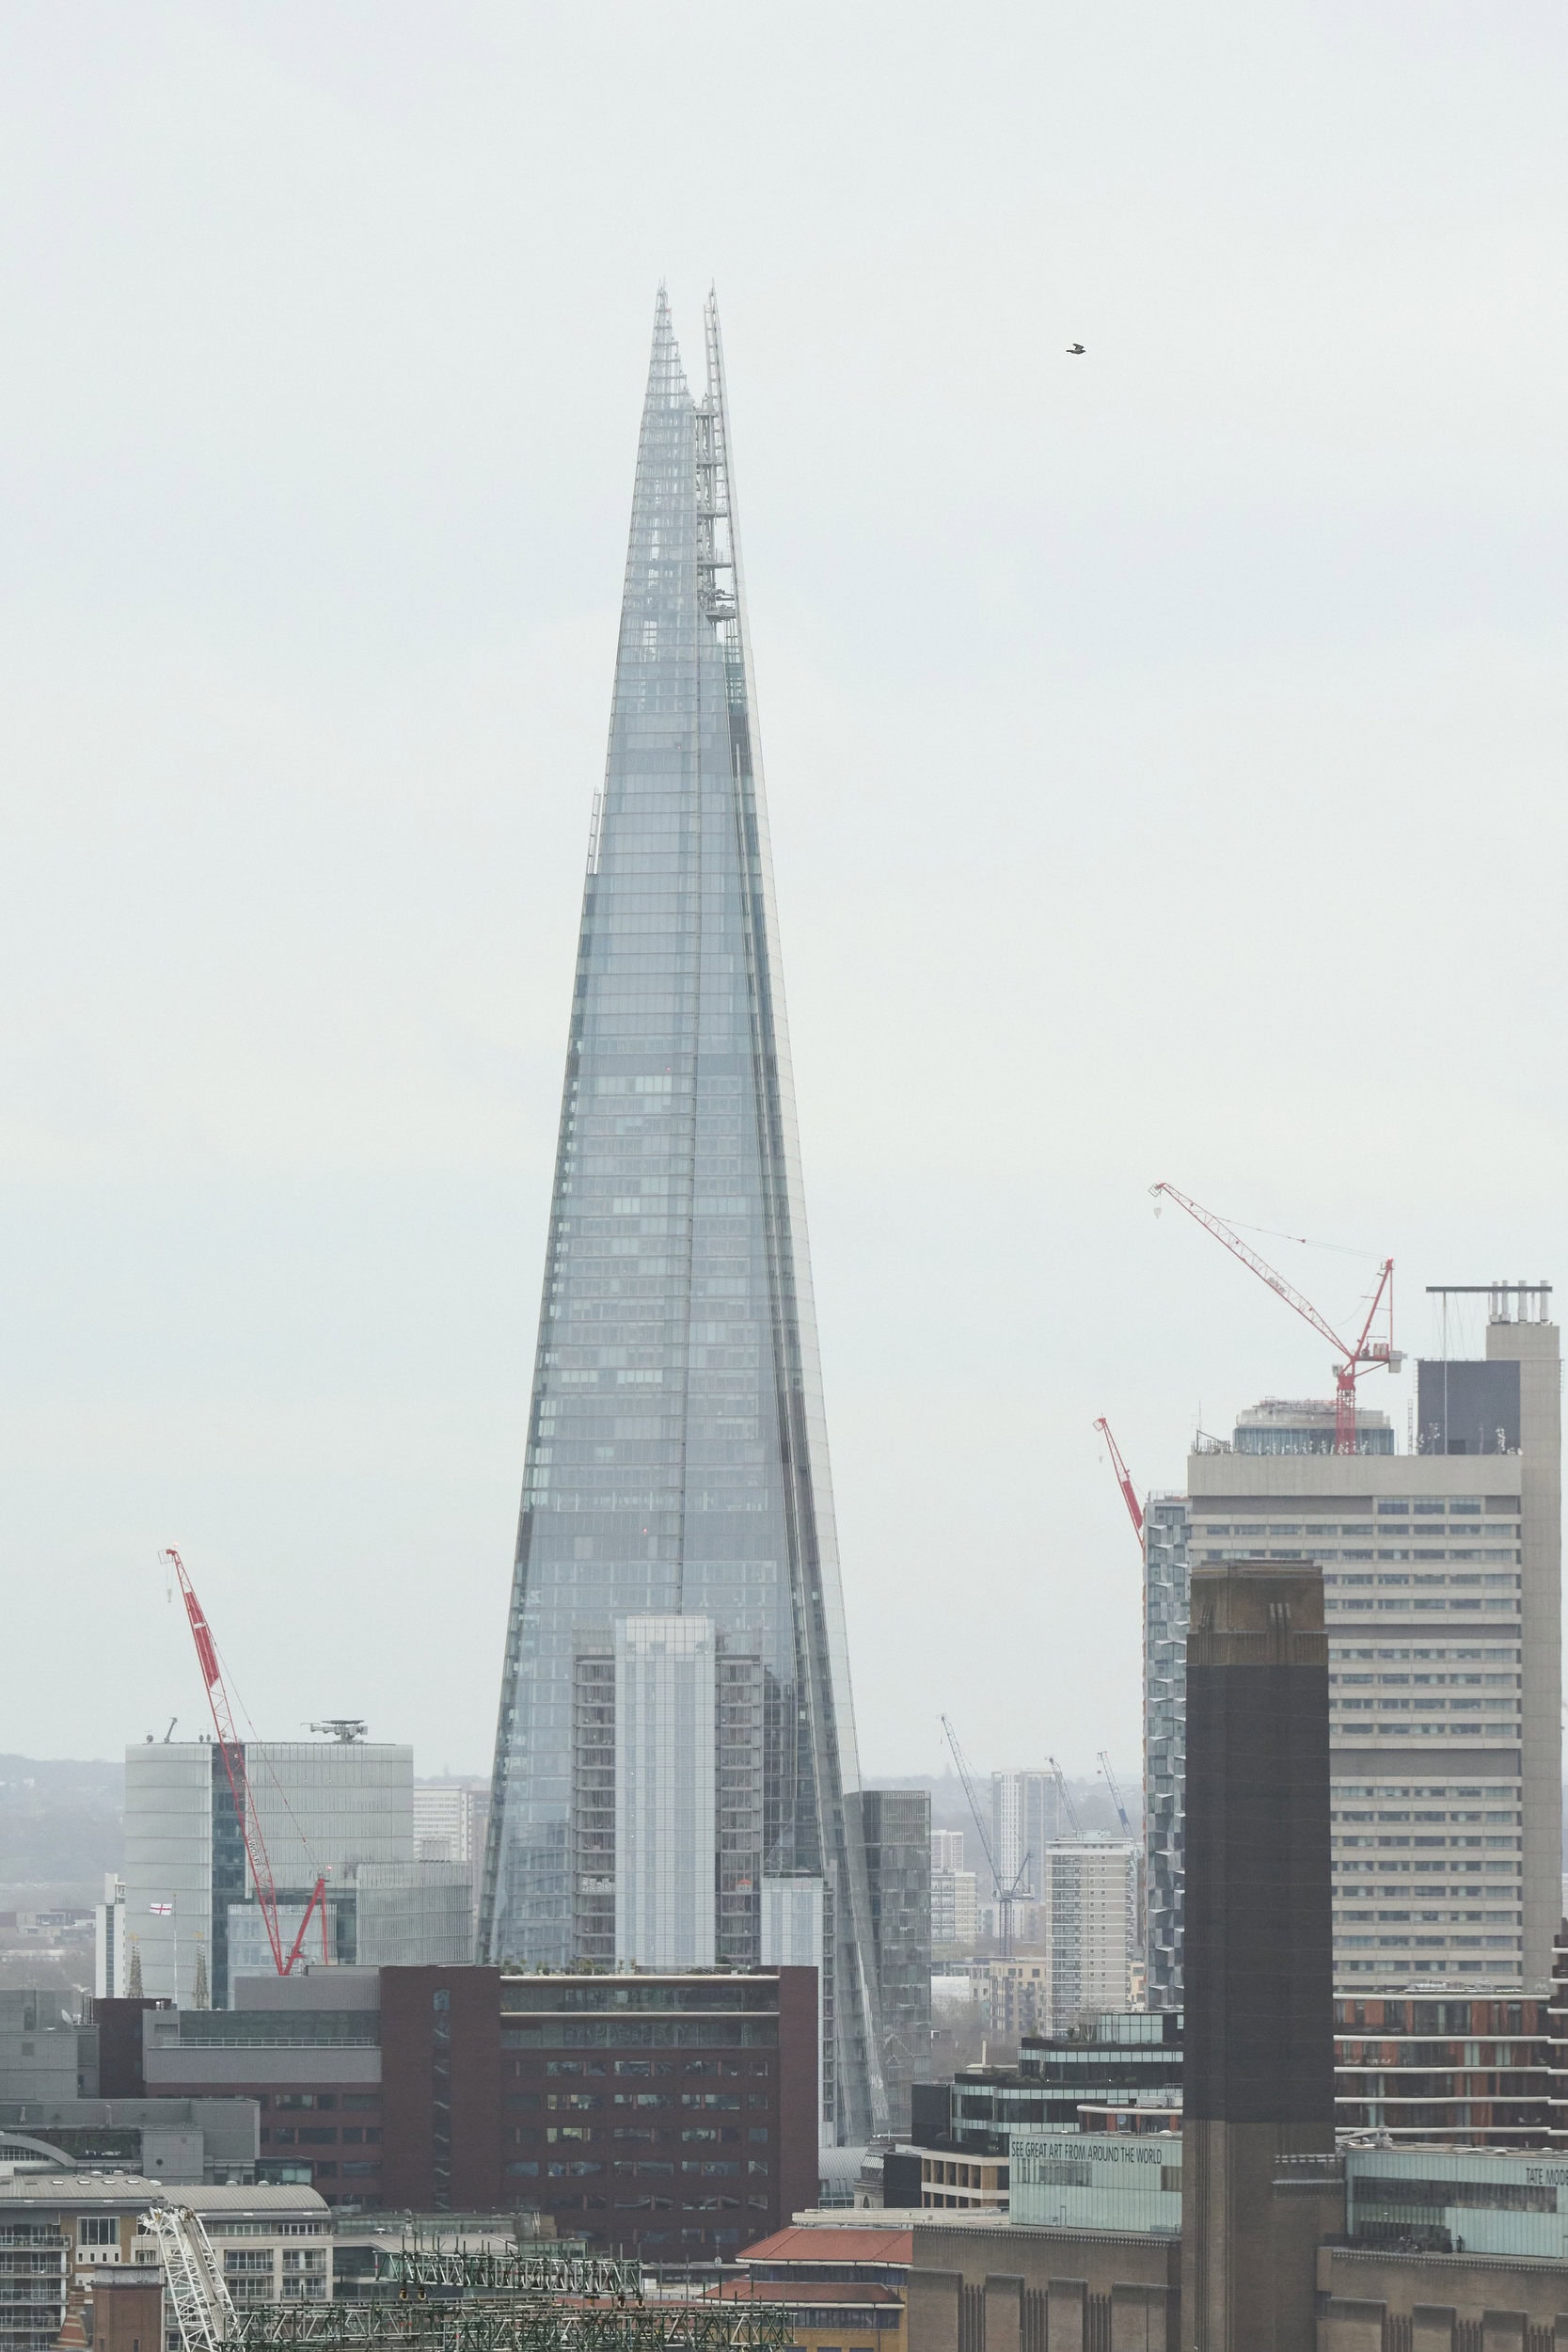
(678, 1461)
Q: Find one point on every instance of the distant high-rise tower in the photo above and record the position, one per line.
(678, 1462)
(1025, 1816)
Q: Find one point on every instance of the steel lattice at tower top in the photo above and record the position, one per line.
(676, 1462)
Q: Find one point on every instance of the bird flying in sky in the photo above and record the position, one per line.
(1073, 350)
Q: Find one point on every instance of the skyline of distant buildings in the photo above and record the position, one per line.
(676, 1793)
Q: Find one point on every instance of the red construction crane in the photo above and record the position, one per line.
(1124, 1479)
(1353, 1357)
(232, 1749)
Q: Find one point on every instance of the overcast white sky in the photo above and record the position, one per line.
(1165, 752)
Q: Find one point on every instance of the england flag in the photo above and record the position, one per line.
(161, 1911)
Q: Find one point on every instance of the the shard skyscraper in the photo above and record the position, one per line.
(675, 1778)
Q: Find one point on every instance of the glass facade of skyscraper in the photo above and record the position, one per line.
(676, 1460)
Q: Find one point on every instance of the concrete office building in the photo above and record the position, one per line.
(1442, 1572)
(449, 1826)
(111, 1959)
(677, 1463)
(1089, 1926)
(343, 1808)
(305, 2049)
(1081, 1963)
(449, 1821)
(194, 2143)
(1025, 1817)
(45, 2051)
(667, 1793)
(667, 1812)
(955, 1897)
(1012, 1996)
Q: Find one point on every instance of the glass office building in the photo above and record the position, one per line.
(676, 1460)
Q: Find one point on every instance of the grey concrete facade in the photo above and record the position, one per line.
(1442, 1575)
(211, 2140)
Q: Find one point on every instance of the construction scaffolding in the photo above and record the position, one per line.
(434, 2300)
(483, 2271)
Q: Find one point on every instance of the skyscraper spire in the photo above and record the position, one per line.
(675, 1762)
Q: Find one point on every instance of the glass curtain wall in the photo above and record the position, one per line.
(676, 1456)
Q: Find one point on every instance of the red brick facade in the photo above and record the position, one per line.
(441, 2073)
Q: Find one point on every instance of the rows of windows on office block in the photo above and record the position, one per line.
(1439, 1896)
(658, 2146)
(1425, 1869)
(330, 2139)
(1400, 1534)
(1436, 1887)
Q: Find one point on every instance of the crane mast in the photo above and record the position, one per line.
(193, 2273)
(1063, 1800)
(1116, 1793)
(1006, 1896)
(231, 1748)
